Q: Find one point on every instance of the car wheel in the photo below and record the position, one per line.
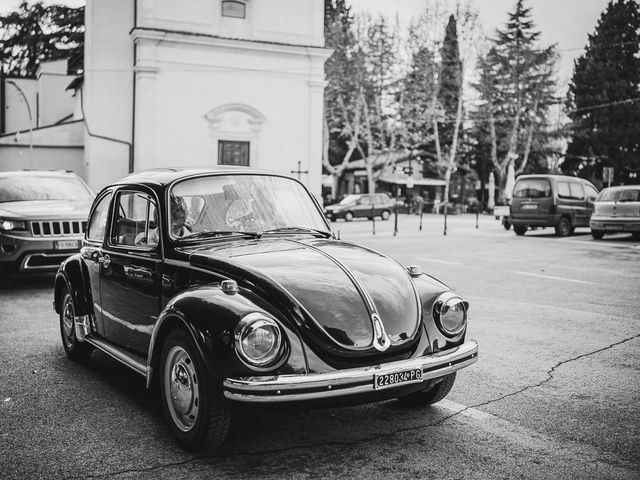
(520, 229)
(635, 235)
(431, 396)
(198, 413)
(348, 216)
(597, 234)
(506, 224)
(563, 228)
(74, 349)
(385, 214)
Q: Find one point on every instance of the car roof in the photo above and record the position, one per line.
(622, 187)
(553, 177)
(161, 177)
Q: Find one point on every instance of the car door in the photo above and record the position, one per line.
(93, 252)
(364, 207)
(581, 216)
(129, 283)
(591, 193)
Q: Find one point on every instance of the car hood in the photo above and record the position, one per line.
(45, 209)
(335, 288)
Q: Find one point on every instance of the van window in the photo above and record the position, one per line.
(577, 192)
(563, 190)
(532, 188)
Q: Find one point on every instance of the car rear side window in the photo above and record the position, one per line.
(98, 220)
(570, 190)
(532, 188)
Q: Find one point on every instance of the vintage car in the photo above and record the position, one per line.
(42, 219)
(617, 210)
(224, 286)
(365, 205)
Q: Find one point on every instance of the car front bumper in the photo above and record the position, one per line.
(343, 383)
(34, 254)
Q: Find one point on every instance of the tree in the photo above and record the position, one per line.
(517, 87)
(604, 95)
(35, 33)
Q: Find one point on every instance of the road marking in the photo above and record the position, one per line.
(551, 277)
(464, 410)
(444, 262)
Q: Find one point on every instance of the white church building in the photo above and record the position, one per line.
(203, 83)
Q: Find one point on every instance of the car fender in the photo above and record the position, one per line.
(72, 274)
(210, 316)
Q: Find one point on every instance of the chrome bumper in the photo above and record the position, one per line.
(340, 383)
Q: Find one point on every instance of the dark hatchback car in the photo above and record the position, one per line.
(365, 205)
(43, 215)
(228, 286)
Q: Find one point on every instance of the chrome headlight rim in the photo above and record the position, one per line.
(11, 225)
(253, 321)
(443, 303)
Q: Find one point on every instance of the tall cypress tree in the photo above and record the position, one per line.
(450, 82)
(604, 97)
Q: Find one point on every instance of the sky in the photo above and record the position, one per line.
(564, 22)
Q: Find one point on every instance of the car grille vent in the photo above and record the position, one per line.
(57, 228)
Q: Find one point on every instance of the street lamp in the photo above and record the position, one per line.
(26, 102)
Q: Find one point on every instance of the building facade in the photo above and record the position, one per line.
(203, 83)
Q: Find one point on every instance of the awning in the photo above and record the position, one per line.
(397, 180)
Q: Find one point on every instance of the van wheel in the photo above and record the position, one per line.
(564, 227)
(520, 229)
(348, 216)
(597, 234)
(635, 235)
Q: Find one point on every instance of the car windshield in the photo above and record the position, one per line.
(29, 188)
(532, 188)
(620, 195)
(232, 204)
(349, 199)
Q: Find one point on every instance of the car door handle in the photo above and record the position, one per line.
(105, 260)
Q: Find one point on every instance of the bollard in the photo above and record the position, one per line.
(373, 217)
(395, 226)
(476, 218)
(421, 211)
(445, 219)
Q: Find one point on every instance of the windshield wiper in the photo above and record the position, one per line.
(324, 233)
(219, 233)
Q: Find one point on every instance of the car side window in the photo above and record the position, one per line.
(591, 192)
(136, 220)
(577, 192)
(563, 190)
(365, 201)
(98, 220)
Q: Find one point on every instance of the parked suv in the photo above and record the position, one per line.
(551, 201)
(43, 216)
(366, 205)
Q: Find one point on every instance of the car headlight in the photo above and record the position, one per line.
(450, 314)
(258, 340)
(12, 225)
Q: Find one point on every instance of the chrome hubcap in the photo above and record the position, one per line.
(67, 322)
(181, 388)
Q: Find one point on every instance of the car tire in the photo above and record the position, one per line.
(194, 405)
(597, 234)
(506, 223)
(75, 350)
(520, 229)
(635, 235)
(348, 216)
(563, 229)
(385, 214)
(430, 396)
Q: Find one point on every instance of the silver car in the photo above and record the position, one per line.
(617, 209)
(43, 215)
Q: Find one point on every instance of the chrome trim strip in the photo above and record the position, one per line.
(288, 388)
(25, 263)
(119, 355)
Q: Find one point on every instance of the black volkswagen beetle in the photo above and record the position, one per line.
(228, 286)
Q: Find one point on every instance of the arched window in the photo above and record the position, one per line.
(234, 8)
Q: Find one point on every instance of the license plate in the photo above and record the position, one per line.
(530, 206)
(613, 227)
(66, 244)
(404, 377)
